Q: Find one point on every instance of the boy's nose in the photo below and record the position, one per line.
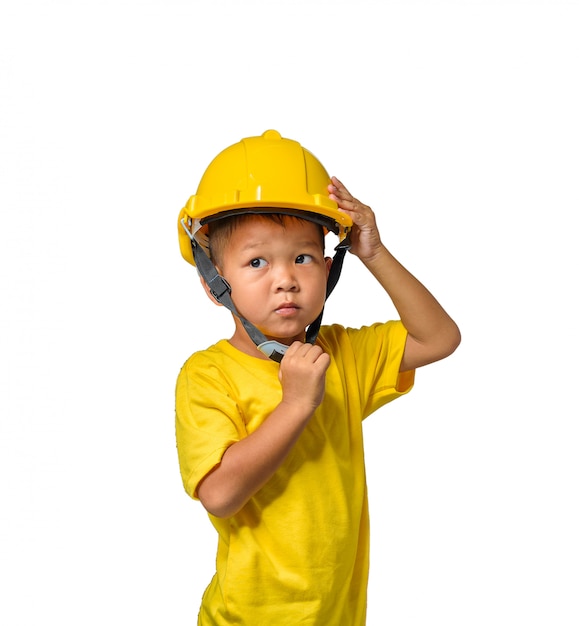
(285, 279)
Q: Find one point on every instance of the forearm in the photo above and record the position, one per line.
(248, 464)
(432, 332)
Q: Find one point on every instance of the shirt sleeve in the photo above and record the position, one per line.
(377, 352)
(206, 423)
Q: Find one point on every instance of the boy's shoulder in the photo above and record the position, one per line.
(222, 357)
(206, 369)
(214, 352)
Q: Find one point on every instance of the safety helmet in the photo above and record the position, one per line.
(265, 174)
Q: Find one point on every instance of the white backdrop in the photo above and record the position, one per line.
(457, 121)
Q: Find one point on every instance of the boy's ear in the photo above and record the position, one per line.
(208, 291)
(328, 266)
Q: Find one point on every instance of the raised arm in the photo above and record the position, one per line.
(432, 334)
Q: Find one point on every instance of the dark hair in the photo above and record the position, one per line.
(221, 230)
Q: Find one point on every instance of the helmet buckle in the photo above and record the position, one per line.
(218, 287)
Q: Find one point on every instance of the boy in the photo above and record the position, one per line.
(269, 423)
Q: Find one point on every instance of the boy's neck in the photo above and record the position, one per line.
(242, 342)
(247, 347)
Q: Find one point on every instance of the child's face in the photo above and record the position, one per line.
(278, 277)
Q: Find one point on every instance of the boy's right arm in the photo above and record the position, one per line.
(248, 464)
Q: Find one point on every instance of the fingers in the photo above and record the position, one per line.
(339, 193)
(305, 361)
(365, 238)
(307, 352)
(359, 212)
(302, 374)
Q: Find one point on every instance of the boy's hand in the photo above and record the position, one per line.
(365, 237)
(302, 374)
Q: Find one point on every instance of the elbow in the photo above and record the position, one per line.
(441, 344)
(222, 510)
(448, 342)
(217, 502)
(445, 344)
(453, 340)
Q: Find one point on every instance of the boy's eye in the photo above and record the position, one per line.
(257, 263)
(304, 258)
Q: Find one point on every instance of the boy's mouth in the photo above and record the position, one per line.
(287, 308)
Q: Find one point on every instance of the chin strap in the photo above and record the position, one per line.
(335, 271)
(221, 291)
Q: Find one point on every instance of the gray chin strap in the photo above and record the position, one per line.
(221, 291)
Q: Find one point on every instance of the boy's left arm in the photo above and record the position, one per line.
(432, 334)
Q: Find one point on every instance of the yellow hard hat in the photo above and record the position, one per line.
(268, 174)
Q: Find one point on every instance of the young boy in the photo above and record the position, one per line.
(269, 422)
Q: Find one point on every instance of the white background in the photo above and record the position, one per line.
(456, 121)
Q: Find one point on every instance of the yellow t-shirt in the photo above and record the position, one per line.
(297, 553)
